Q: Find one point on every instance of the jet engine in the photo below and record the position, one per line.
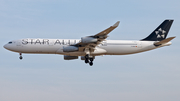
(88, 39)
(67, 57)
(70, 49)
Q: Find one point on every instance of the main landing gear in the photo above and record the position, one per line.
(89, 60)
(20, 57)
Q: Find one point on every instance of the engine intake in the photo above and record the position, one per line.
(88, 39)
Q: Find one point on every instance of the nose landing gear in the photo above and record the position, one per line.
(20, 56)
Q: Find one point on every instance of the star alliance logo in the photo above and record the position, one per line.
(160, 33)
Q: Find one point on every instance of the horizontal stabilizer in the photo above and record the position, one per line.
(163, 41)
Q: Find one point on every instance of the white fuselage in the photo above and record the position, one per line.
(55, 46)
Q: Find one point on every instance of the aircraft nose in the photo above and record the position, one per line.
(5, 46)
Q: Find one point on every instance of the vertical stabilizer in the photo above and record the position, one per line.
(160, 32)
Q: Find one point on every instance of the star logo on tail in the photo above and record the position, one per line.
(160, 33)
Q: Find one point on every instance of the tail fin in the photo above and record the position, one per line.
(160, 32)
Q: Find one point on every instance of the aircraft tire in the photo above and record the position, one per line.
(20, 57)
(91, 63)
(86, 61)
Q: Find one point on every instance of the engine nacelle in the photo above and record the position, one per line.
(70, 49)
(88, 39)
(67, 57)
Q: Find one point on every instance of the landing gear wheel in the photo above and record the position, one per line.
(20, 57)
(91, 63)
(86, 61)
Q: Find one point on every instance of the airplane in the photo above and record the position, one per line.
(95, 45)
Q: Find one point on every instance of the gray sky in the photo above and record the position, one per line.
(150, 76)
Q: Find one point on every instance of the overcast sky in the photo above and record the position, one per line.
(148, 76)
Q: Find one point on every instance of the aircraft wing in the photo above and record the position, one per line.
(108, 30)
(92, 41)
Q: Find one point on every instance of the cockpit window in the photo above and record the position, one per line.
(10, 42)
